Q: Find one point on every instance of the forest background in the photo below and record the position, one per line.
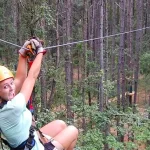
(96, 68)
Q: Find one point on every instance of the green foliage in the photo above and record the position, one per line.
(145, 64)
(113, 143)
(145, 44)
(35, 17)
(130, 145)
(108, 87)
(47, 115)
(37, 90)
(97, 122)
(92, 140)
(58, 75)
(142, 131)
(44, 117)
(47, 12)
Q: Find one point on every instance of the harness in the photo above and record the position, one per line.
(26, 145)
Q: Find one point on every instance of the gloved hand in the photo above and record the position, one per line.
(37, 45)
(23, 49)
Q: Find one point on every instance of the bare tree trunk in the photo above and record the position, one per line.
(51, 98)
(84, 61)
(90, 43)
(68, 64)
(101, 60)
(113, 55)
(130, 48)
(6, 12)
(122, 48)
(16, 16)
(106, 69)
(121, 74)
(147, 17)
(121, 71)
(138, 46)
(43, 90)
(95, 26)
(106, 12)
(57, 33)
(42, 73)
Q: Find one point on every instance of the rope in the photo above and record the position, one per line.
(71, 43)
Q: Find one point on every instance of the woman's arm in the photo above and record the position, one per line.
(21, 73)
(22, 67)
(29, 82)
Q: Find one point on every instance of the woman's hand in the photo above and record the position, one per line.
(38, 46)
(35, 44)
(24, 49)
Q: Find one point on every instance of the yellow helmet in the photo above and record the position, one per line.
(5, 73)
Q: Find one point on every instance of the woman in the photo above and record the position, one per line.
(16, 119)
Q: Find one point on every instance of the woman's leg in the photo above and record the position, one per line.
(73, 144)
(67, 138)
(53, 128)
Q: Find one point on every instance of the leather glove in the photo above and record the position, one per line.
(37, 45)
(23, 49)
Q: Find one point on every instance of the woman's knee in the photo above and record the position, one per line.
(67, 137)
(74, 130)
(61, 124)
(54, 127)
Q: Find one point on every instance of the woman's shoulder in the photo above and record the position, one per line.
(17, 103)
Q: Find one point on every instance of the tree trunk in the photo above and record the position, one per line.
(112, 54)
(106, 69)
(84, 54)
(43, 90)
(16, 16)
(106, 12)
(57, 34)
(68, 64)
(121, 71)
(52, 93)
(101, 60)
(147, 17)
(130, 48)
(137, 46)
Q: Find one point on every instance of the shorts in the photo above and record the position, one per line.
(52, 144)
(49, 146)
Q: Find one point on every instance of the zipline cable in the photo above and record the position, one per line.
(107, 36)
(71, 43)
(10, 43)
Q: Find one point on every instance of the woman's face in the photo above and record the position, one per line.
(7, 89)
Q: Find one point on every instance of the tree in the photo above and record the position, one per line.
(68, 61)
(137, 46)
(101, 56)
(121, 73)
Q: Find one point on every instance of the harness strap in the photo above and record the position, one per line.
(1, 141)
(20, 147)
(30, 141)
(46, 140)
(2, 104)
(26, 145)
